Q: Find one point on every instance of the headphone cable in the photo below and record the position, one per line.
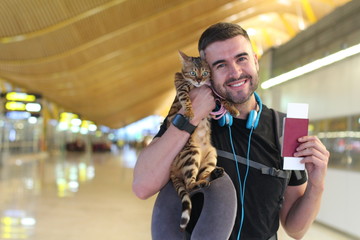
(242, 186)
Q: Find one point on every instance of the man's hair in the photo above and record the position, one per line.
(220, 32)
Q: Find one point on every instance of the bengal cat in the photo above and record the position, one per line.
(192, 167)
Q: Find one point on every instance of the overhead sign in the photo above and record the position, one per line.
(67, 116)
(22, 97)
(19, 105)
(15, 106)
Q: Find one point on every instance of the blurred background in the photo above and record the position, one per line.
(85, 85)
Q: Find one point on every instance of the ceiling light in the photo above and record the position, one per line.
(33, 107)
(312, 66)
(284, 2)
(265, 17)
(251, 31)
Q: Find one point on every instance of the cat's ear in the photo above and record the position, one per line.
(183, 56)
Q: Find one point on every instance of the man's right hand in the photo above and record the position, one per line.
(203, 102)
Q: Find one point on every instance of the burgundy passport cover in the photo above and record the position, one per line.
(293, 129)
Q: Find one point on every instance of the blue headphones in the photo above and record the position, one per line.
(251, 123)
(253, 118)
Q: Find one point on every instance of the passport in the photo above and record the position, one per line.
(293, 128)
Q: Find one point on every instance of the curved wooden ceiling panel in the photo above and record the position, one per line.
(113, 61)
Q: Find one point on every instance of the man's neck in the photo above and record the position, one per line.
(246, 107)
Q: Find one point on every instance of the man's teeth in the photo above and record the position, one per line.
(238, 84)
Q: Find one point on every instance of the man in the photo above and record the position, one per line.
(234, 68)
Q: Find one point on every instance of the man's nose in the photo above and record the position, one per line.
(234, 71)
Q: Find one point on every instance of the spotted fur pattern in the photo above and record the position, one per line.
(192, 167)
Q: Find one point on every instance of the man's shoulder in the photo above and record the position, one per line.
(270, 110)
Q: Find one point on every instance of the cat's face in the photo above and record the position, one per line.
(195, 70)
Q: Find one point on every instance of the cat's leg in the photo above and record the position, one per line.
(178, 184)
(207, 167)
(182, 92)
(186, 103)
(190, 168)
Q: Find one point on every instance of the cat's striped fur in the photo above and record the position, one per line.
(192, 166)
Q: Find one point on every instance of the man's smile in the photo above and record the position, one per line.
(237, 83)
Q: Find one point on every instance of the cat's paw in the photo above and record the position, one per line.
(231, 109)
(234, 112)
(203, 184)
(199, 184)
(217, 172)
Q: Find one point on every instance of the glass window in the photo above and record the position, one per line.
(341, 136)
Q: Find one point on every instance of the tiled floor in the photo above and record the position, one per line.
(81, 197)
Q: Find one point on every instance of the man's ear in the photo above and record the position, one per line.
(202, 54)
(256, 62)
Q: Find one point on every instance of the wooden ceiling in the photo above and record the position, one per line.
(113, 61)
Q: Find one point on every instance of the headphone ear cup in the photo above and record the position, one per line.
(222, 121)
(257, 118)
(227, 119)
(252, 121)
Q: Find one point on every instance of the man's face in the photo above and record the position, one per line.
(234, 68)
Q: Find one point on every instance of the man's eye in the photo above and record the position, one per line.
(220, 66)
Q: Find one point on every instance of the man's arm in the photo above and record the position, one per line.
(302, 203)
(152, 169)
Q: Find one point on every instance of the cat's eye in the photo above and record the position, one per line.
(205, 74)
(192, 73)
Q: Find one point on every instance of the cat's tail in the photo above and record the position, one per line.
(186, 210)
(185, 202)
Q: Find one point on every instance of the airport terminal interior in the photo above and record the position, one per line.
(86, 84)
(81, 197)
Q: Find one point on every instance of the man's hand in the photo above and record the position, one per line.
(302, 203)
(316, 159)
(203, 103)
